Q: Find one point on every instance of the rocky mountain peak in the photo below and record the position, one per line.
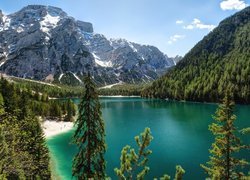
(43, 41)
(38, 11)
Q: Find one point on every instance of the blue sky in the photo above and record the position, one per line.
(174, 26)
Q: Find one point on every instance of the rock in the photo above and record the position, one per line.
(44, 43)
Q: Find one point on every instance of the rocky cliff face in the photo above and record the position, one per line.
(44, 43)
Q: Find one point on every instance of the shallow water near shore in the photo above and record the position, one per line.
(180, 131)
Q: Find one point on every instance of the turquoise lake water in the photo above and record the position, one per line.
(180, 131)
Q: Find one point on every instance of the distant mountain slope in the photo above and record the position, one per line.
(219, 62)
(44, 43)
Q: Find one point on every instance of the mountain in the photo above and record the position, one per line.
(220, 62)
(44, 43)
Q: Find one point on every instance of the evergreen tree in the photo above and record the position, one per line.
(15, 163)
(10, 96)
(23, 152)
(223, 163)
(133, 164)
(245, 130)
(35, 145)
(89, 136)
(4, 152)
(70, 110)
(1, 105)
(179, 173)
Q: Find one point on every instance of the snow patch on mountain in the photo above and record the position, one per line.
(53, 43)
(111, 85)
(6, 23)
(77, 77)
(19, 29)
(102, 63)
(2, 63)
(49, 22)
(132, 47)
(60, 77)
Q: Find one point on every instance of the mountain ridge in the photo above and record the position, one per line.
(220, 62)
(44, 43)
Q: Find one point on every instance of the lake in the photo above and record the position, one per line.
(180, 131)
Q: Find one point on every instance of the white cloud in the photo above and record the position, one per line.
(175, 38)
(188, 27)
(233, 4)
(179, 22)
(197, 24)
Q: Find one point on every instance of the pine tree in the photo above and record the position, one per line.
(223, 163)
(1, 105)
(70, 110)
(89, 136)
(10, 96)
(4, 152)
(15, 163)
(133, 164)
(179, 173)
(35, 145)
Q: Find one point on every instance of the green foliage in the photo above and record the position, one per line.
(50, 90)
(165, 177)
(23, 152)
(124, 90)
(179, 173)
(133, 164)
(220, 61)
(224, 163)
(89, 136)
(69, 108)
(245, 130)
(1, 104)
(68, 91)
(36, 146)
(36, 102)
(13, 161)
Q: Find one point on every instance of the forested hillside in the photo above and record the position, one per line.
(23, 151)
(219, 62)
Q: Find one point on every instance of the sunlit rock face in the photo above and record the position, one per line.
(41, 41)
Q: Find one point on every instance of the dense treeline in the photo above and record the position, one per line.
(52, 90)
(124, 90)
(23, 151)
(63, 91)
(221, 61)
(39, 104)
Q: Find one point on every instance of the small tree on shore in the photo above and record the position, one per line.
(89, 136)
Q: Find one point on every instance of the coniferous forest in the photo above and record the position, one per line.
(219, 62)
(24, 153)
(23, 150)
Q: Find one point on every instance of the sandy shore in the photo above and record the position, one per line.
(52, 128)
